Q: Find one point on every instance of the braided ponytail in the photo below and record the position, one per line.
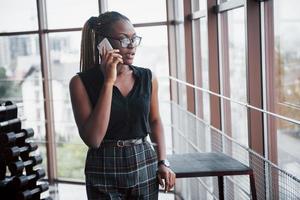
(92, 33)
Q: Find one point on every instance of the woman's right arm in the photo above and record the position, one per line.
(92, 123)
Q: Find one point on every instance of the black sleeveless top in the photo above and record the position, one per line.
(129, 116)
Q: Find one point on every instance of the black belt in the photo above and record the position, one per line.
(122, 143)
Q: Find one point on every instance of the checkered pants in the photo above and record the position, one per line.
(127, 172)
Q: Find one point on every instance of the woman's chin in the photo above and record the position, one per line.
(128, 62)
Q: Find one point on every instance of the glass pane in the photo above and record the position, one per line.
(21, 82)
(201, 68)
(203, 4)
(287, 58)
(140, 11)
(195, 5)
(287, 83)
(180, 55)
(197, 68)
(64, 58)
(235, 76)
(70, 13)
(204, 66)
(18, 16)
(237, 55)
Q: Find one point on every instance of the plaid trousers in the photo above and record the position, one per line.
(116, 173)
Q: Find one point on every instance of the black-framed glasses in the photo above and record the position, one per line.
(135, 41)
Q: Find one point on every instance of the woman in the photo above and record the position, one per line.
(115, 106)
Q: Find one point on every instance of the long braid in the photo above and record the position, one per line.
(87, 58)
(92, 32)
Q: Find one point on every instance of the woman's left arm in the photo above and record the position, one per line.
(157, 136)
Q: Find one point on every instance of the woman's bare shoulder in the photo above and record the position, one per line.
(75, 83)
(75, 80)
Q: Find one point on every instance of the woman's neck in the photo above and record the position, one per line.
(122, 68)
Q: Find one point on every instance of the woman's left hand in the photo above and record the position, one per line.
(166, 174)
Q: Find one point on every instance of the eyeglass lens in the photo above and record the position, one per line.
(134, 41)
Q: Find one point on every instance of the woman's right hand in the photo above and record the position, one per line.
(109, 63)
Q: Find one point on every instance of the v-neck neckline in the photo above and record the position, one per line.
(129, 93)
(118, 90)
(132, 88)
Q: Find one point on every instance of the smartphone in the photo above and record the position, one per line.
(104, 44)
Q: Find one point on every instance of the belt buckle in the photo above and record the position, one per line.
(120, 143)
